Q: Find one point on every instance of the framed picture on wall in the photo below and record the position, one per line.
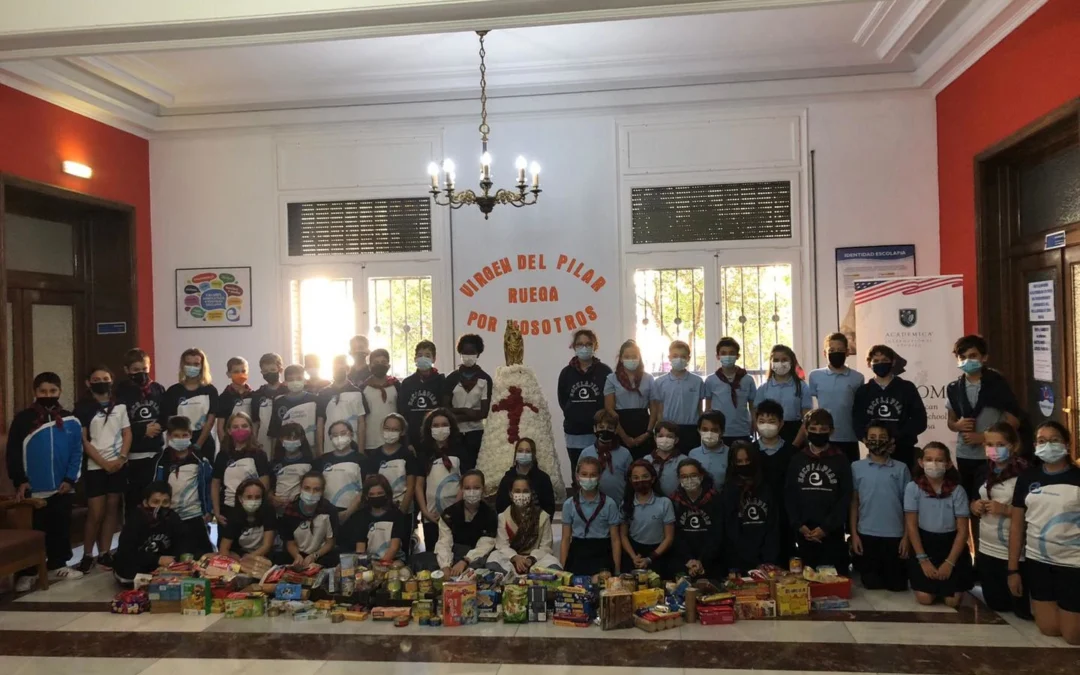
(213, 297)
(866, 262)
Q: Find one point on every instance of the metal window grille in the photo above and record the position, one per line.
(399, 316)
(359, 227)
(722, 212)
(670, 305)
(755, 309)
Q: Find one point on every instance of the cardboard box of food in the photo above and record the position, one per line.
(793, 597)
(459, 604)
(245, 607)
(755, 609)
(841, 588)
(196, 597)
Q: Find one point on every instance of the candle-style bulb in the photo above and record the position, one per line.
(521, 164)
(485, 159)
(448, 166)
(433, 170)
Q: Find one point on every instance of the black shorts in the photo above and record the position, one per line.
(99, 482)
(1053, 583)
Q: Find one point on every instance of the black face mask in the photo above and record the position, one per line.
(882, 369)
(140, 379)
(744, 470)
(272, 378)
(101, 388)
(836, 359)
(48, 401)
(605, 436)
(157, 512)
(877, 447)
(380, 370)
(377, 502)
(818, 439)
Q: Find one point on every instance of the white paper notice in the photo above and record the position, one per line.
(1041, 301)
(1041, 354)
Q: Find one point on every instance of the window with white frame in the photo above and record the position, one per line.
(669, 306)
(400, 315)
(323, 319)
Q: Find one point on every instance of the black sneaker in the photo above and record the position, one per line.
(86, 564)
(106, 561)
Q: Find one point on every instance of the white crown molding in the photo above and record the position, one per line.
(76, 105)
(66, 80)
(914, 18)
(121, 77)
(873, 21)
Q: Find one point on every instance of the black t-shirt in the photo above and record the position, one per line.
(1051, 502)
(232, 401)
(247, 535)
(233, 468)
(417, 396)
(300, 409)
(376, 531)
(396, 468)
(309, 532)
(196, 405)
(143, 409)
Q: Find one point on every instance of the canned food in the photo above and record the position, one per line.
(795, 566)
(402, 621)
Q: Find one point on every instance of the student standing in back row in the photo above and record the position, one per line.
(381, 394)
(341, 401)
(678, 395)
(236, 396)
(786, 387)
(834, 388)
(297, 406)
(891, 399)
(628, 394)
(196, 399)
(731, 390)
(262, 401)
(467, 393)
(581, 394)
(421, 392)
(143, 398)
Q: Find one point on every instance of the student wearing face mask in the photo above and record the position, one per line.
(523, 537)
(731, 391)
(467, 392)
(590, 530)
(628, 394)
(190, 479)
(359, 350)
(776, 456)
(890, 398)
(236, 396)
(876, 519)
(340, 401)
(525, 467)
(251, 525)
(396, 462)
(262, 399)
(581, 393)
(936, 515)
(314, 382)
(834, 388)
(144, 399)
(466, 531)
(437, 487)
(291, 461)
(240, 460)
(665, 457)
(648, 522)
(751, 512)
(713, 452)
(699, 523)
(153, 536)
(309, 527)
(614, 459)
(381, 394)
(786, 387)
(196, 399)
(678, 395)
(1040, 533)
(296, 406)
(344, 472)
(379, 528)
(421, 392)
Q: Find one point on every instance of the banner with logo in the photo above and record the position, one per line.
(920, 318)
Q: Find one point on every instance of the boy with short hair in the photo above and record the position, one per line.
(262, 400)
(381, 395)
(776, 456)
(421, 392)
(315, 382)
(819, 496)
(297, 406)
(613, 457)
(152, 536)
(189, 477)
(143, 398)
(44, 460)
(678, 394)
(731, 390)
(236, 397)
(876, 520)
(834, 388)
(359, 350)
(713, 453)
(339, 401)
(890, 398)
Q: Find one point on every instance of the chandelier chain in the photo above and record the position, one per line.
(484, 128)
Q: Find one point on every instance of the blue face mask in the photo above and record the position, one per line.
(523, 458)
(997, 453)
(192, 371)
(423, 363)
(588, 484)
(970, 366)
(310, 498)
(291, 446)
(584, 353)
(1051, 453)
(728, 360)
(180, 444)
(631, 364)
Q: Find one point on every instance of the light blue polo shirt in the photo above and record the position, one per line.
(667, 473)
(612, 480)
(681, 397)
(626, 399)
(835, 392)
(881, 496)
(736, 415)
(784, 394)
(601, 526)
(936, 515)
(647, 526)
(714, 461)
(986, 418)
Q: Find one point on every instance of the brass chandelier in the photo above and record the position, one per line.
(447, 195)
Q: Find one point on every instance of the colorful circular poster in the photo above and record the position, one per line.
(208, 297)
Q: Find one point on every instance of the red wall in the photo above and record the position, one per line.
(1034, 70)
(39, 136)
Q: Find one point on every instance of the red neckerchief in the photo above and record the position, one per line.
(733, 383)
(1014, 467)
(576, 363)
(623, 376)
(442, 453)
(603, 453)
(45, 414)
(681, 497)
(242, 392)
(390, 381)
(829, 451)
(599, 507)
(947, 486)
(659, 462)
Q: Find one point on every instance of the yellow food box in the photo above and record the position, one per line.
(649, 597)
(793, 597)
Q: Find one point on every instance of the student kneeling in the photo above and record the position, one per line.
(152, 536)
(308, 526)
(466, 531)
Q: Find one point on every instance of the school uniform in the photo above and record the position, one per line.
(581, 395)
(197, 405)
(590, 522)
(144, 539)
(539, 482)
(396, 467)
(232, 468)
(104, 424)
(835, 392)
(713, 460)
(309, 531)
(462, 537)
(379, 402)
(613, 475)
(508, 544)
(316, 385)
(900, 406)
(233, 400)
(699, 532)
(734, 397)
(45, 450)
(819, 495)
(937, 530)
(880, 525)
(442, 479)
(246, 531)
(420, 393)
(286, 473)
(681, 397)
(300, 408)
(469, 389)
(775, 463)
(751, 527)
(344, 474)
(633, 406)
(190, 479)
(144, 406)
(378, 530)
(1051, 502)
(794, 396)
(667, 471)
(262, 412)
(992, 555)
(646, 522)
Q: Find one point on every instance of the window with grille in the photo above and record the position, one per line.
(670, 306)
(358, 227)
(756, 310)
(399, 316)
(721, 212)
(323, 320)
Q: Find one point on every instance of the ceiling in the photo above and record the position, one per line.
(148, 87)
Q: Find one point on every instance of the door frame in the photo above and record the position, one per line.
(22, 300)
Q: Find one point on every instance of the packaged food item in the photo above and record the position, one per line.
(538, 597)
(795, 565)
(422, 611)
(195, 597)
(131, 602)
(649, 597)
(142, 581)
(748, 588)
(355, 615)
(755, 609)
(839, 587)
(655, 620)
(515, 601)
(792, 597)
(573, 606)
(245, 605)
(616, 610)
(488, 605)
(459, 603)
(214, 566)
(285, 591)
(827, 604)
(716, 615)
(255, 565)
(390, 613)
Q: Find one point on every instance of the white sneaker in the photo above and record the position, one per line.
(65, 573)
(25, 584)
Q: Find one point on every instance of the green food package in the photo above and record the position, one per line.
(515, 604)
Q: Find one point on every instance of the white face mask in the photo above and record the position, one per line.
(521, 499)
(471, 496)
(468, 360)
(768, 431)
(390, 437)
(440, 433)
(678, 364)
(341, 442)
(934, 470)
(781, 367)
(690, 484)
(665, 443)
(295, 386)
(709, 438)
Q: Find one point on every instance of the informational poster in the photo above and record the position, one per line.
(1041, 301)
(209, 297)
(1041, 351)
(920, 318)
(866, 262)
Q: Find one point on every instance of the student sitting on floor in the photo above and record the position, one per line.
(936, 511)
(590, 531)
(152, 536)
(251, 525)
(523, 537)
(466, 531)
(292, 459)
(613, 459)
(525, 466)
(379, 527)
(751, 512)
(189, 476)
(309, 526)
(713, 453)
(877, 514)
(648, 527)
(699, 523)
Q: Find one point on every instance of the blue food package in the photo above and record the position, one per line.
(285, 591)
